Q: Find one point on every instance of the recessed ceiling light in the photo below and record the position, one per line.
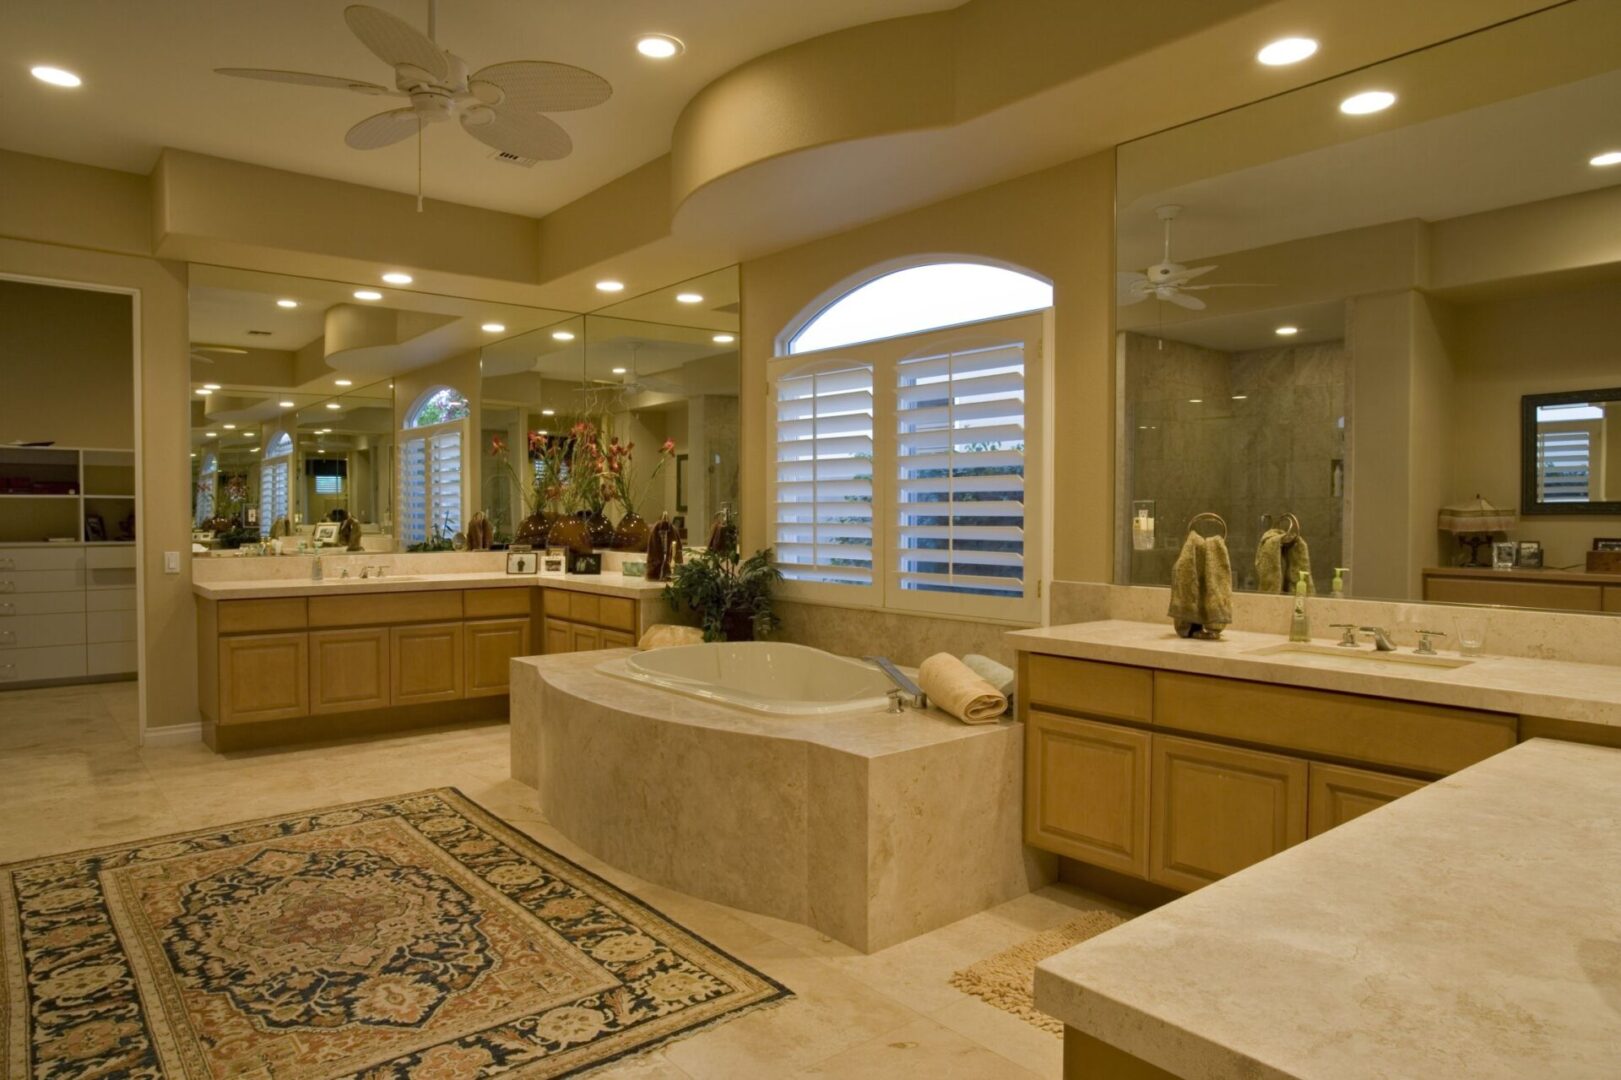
(493, 328)
(194, 453)
(1195, 401)
(323, 431)
(204, 391)
(333, 405)
(344, 382)
(659, 46)
(723, 339)
(395, 277)
(1369, 101)
(1609, 157)
(1289, 50)
(548, 412)
(287, 303)
(1287, 331)
(211, 386)
(368, 294)
(543, 431)
(619, 371)
(1240, 397)
(562, 335)
(610, 285)
(210, 434)
(688, 298)
(285, 404)
(55, 76)
(230, 427)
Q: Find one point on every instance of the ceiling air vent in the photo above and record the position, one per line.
(259, 333)
(514, 159)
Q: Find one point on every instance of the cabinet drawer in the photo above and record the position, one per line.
(109, 577)
(1086, 791)
(349, 670)
(104, 626)
(426, 662)
(43, 603)
(108, 557)
(54, 557)
(1085, 686)
(263, 677)
(493, 603)
(336, 611)
(1339, 794)
(1612, 598)
(1397, 734)
(617, 613)
(31, 665)
(1538, 594)
(36, 581)
(614, 612)
(257, 616)
(110, 600)
(110, 658)
(585, 608)
(40, 631)
(555, 603)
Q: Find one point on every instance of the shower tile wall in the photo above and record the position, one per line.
(1243, 434)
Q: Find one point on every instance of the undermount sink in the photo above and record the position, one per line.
(356, 579)
(1312, 653)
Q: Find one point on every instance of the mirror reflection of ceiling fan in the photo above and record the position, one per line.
(1170, 281)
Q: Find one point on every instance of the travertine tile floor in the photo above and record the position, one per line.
(73, 776)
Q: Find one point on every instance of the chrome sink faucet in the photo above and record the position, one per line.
(1381, 638)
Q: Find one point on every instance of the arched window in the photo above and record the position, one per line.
(275, 481)
(909, 444)
(431, 466)
(921, 298)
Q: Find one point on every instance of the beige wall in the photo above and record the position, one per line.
(168, 616)
(66, 371)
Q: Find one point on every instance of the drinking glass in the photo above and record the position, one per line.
(1471, 631)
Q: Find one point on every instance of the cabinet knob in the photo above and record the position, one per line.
(8, 671)
(8, 586)
(7, 608)
(8, 637)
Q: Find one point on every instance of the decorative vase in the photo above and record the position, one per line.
(600, 528)
(631, 533)
(570, 533)
(533, 530)
(738, 625)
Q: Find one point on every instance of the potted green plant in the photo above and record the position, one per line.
(730, 595)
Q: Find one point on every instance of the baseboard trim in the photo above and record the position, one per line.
(173, 734)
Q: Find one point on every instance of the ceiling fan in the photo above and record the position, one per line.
(1167, 280)
(500, 105)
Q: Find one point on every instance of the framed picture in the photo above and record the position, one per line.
(1529, 556)
(326, 532)
(252, 517)
(584, 564)
(553, 564)
(681, 482)
(1607, 543)
(1504, 553)
(523, 562)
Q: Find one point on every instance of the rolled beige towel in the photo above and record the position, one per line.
(665, 635)
(998, 675)
(953, 686)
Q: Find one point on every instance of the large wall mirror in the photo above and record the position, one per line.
(316, 403)
(1330, 318)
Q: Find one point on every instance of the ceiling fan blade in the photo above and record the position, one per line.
(1192, 303)
(540, 86)
(395, 41)
(384, 129)
(303, 78)
(1187, 275)
(1232, 285)
(1127, 299)
(528, 135)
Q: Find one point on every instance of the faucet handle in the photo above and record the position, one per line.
(1426, 647)
(1347, 633)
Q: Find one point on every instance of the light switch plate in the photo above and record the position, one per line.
(171, 562)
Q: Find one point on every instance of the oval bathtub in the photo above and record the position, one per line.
(765, 677)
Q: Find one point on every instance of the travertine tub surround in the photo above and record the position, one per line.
(1466, 930)
(870, 828)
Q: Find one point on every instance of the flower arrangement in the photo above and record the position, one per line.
(529, 488)
(619, 458)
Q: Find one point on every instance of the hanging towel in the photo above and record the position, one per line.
(998, 675)
(1269, 562)
(1297, 557)
(1187, 599)
(1215, 585)
(952, 685)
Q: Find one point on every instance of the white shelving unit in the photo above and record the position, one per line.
(67, 603)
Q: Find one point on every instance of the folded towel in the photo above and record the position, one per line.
(1269, 562)
(1297, 557)
(1215, 585)
(953, 686)
(1187, 601)
(998, 675)
(665, 635)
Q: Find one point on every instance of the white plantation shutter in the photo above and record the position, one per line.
(413, 489)
(445, 482)
(960, 472)
(824, 475)
(272, 494)
(1564, 464)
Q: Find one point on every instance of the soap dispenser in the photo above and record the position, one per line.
(1299, 624)
(1337, 587)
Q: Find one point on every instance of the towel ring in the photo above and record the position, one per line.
(1291, 532)
(1208, 515)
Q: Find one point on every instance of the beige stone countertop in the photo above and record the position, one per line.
(865, 734)
(608, 583)
(1585, 693)
(1471, 929)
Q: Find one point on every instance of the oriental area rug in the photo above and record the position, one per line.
(417, 936)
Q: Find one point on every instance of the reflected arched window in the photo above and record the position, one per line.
(432, 462)
(919, 298)
(275, 481)
(440, 405)
(279, 446)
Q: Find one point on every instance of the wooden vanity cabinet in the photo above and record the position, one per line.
(585, 622)
(263, 677)
(1086, 791)
(349, 670)
(1338, 793)
(427, 663)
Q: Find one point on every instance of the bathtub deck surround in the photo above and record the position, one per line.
(871, 828)
(1465, 930)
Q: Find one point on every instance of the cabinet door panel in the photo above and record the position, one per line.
(349, 670)
(1086, 791)
(557, 635)
(583, 638)
(426, 662)
(1217, 809)
(1339, 794)
(616, 639)
(263, 677)
(490, 645)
